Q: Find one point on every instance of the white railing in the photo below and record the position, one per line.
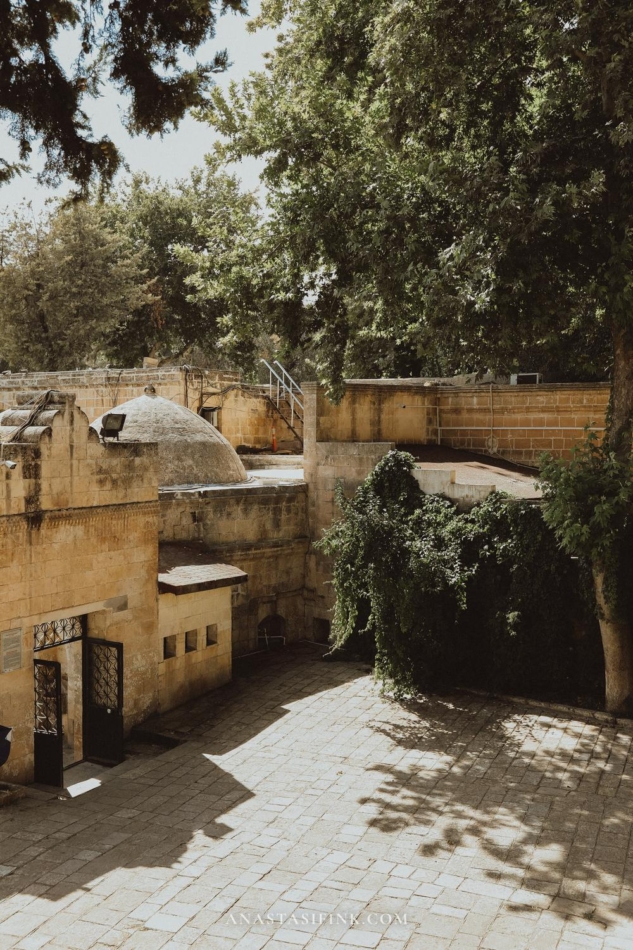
(282, 386)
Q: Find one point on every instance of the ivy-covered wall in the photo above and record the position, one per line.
(483, 598)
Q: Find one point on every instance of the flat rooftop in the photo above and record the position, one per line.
(470, 468)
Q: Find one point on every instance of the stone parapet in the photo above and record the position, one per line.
(518, 423)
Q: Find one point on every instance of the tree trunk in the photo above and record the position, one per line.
(615, 633)
(615, 630)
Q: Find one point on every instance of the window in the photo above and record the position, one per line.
(169, 647)
(191, 641)
(212, 634)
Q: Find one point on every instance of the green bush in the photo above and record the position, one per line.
(483, 598)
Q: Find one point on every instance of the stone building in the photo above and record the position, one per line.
(98, 621)
(134, 565)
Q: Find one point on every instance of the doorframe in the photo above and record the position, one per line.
(46, 637)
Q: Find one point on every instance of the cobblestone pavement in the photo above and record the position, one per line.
(456, 822)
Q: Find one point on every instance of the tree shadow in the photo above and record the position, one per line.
(537, 802)
(154, 813)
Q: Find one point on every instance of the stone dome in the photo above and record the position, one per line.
(190, 450)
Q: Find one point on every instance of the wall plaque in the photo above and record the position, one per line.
(10, 651)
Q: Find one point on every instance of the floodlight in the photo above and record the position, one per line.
(111, 425)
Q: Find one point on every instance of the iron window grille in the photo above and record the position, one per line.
(53, 633)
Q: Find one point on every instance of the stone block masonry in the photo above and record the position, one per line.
(261, 528)
(515, 422)
(519, 422)
(326, 465)
(78, 537)
(246, 416)
(200, 661)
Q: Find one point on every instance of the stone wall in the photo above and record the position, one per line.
(263, 530)
(520, 422)
(246, 416)
(344, 442)
(189, 674)
(83, 543)
(383, 410)
(515, 422)
(326, 465)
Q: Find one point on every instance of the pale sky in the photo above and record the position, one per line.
(177, 152)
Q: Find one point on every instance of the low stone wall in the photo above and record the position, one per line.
(520, 422)
(251, 462)
(190, 674)
(515, 422)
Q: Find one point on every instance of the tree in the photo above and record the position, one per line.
(66, 283)
(190, 237)
(458, 178)
(136, 44)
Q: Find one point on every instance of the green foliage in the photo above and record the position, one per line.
(588, 503)
(450, 183)
(134, 43)
(66, 283)
(191, 237)
(483, 598)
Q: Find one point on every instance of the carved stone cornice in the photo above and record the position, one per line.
(96, 513)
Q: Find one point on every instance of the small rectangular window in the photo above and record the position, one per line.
(191, 641)
(212, 634)
(169, 647)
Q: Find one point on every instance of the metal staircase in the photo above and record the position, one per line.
(286, 397)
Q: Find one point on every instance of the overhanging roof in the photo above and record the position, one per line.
(189, 568)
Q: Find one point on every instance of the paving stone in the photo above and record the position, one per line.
(302, 791)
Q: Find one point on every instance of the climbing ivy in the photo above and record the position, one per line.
(441, 597)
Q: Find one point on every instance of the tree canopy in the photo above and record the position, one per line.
(136, 44)
(68, 284)
(199, 225)
(452, 181)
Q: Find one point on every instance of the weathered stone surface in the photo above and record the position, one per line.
(78, 535)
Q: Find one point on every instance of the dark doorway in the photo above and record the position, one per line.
(48, 739)
(103, 701)
(62, 642)
(271, 632)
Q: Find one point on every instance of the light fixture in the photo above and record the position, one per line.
(111, 425)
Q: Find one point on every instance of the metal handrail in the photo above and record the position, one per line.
(285, 373)
(283, 388)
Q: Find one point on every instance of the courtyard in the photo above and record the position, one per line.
(303, 809)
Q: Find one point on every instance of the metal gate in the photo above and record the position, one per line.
(103, 701)
(48, 739)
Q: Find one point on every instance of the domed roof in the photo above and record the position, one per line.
(190, 450)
